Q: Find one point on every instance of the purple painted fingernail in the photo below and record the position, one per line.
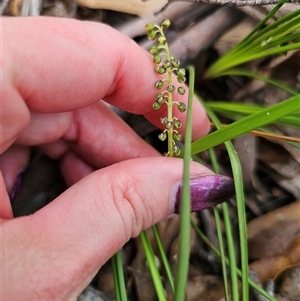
(17, 186)
(206, 191)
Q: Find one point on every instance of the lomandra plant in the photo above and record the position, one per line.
(170, 67)
(169, 86)
(285, 32)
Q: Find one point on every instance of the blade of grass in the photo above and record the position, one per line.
(261, 32)
(232, 258)
(184, 238)
(249, 123)
(280, 39)
(159, 288)
(265, 133)
(115, 275)
(237, 110)
(286, 33)
(218, 228)
(276, 24)
(239, 72)
(276, 32)
(239, 191)
(222, 254)
(119, 280)
(258, 42)
(262, 23)
(164, 257)
(215, 70)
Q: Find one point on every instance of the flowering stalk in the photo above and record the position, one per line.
(169, 66)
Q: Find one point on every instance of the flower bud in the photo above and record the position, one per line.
(177, 136)
(181, 107)
(169, 124)
(171, 88)
(149, 27)
(166, 64)
(181, 79)
(180, 72)
(176, 150)
(160, 98)
(175, 63)
(166, 23)
(181, 90)
(157, 59)
(162, 136)
(162, 40)
(156, 106)
(160, 70)
(159, 95)
(152, 35)
(163, 120)
(159, 84)
(153, 49)
(177, 124)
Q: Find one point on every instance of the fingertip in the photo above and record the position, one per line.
(13, 162)
(5, 207)
(74, 168)
(200, 122)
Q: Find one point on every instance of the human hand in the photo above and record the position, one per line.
(54, 73)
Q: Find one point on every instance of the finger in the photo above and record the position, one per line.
(97, 138)
(5, 206)
(15, 115)
(98, 135)
(74, 168)
(12, 163)
(80, 64)
(80, 230)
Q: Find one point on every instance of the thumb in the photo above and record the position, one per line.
(69, 239)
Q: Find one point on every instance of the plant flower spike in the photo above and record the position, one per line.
(168, 66)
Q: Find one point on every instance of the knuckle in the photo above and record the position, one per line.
(130, 202)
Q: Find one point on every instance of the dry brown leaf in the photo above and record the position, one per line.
(286, 213)
(270, 267)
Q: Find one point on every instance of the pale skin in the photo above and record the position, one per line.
(54, 74)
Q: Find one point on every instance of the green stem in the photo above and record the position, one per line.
(170, 98)
(170, 106)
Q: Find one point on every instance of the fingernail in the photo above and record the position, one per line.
(17, 186)
(206, 191)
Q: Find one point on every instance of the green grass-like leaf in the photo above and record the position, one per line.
(277, 38)
(185, 208)
(237, 111)
(164, 258)
(215, 166)
(240, 72)
(240, 199)
(158, 285)
(118, 274)
(259, 119)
